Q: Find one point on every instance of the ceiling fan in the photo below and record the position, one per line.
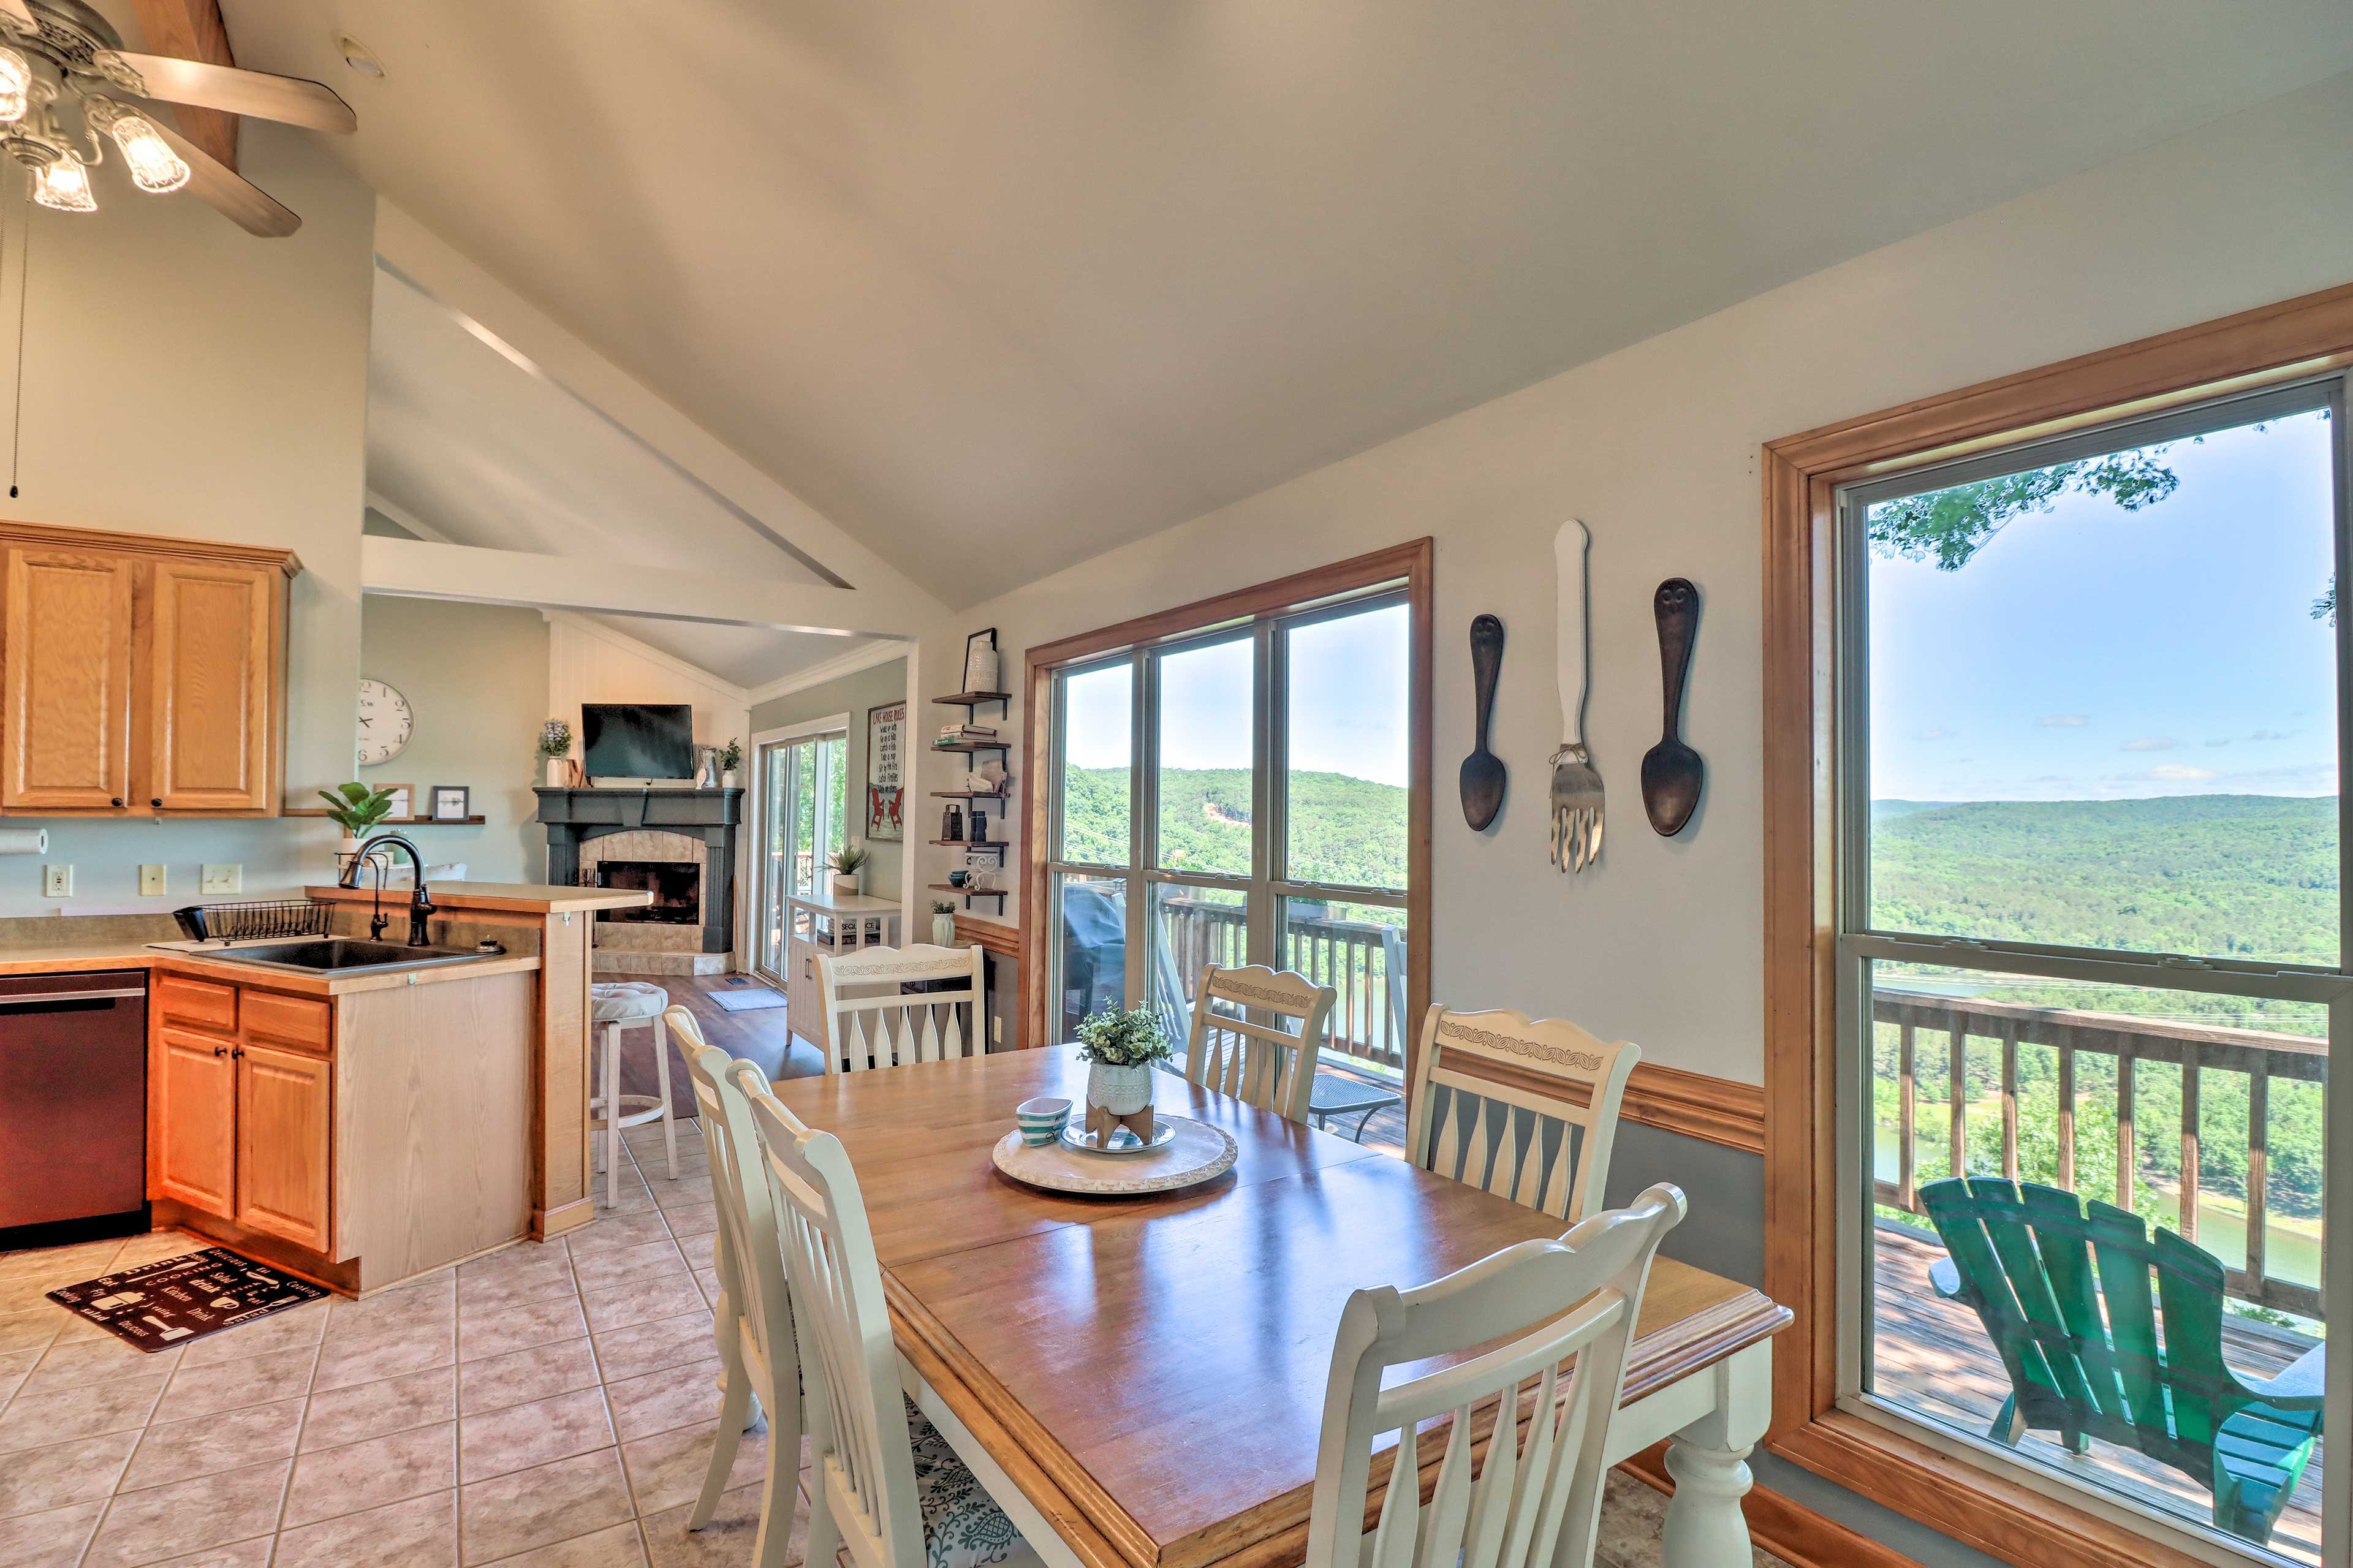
(62, 54)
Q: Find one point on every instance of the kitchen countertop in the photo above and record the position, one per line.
(65, 957)
(530, 898)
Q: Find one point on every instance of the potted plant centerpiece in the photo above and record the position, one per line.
(846, 862)
(359, 811)
(1120, 1049)
(731, 758)
(943, 923)
(554, 748)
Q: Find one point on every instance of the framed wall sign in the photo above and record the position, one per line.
(453, 803)
(402, 803)
(886, 763)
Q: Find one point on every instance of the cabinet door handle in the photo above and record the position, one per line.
(239, 1051)
(116, 801)
(157, 802)
(220, 1050)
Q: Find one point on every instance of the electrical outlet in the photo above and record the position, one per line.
(995, 1030)
(228, 878)
(151, 881)
(57, 881)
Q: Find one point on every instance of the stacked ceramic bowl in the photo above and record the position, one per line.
(1041, 1120)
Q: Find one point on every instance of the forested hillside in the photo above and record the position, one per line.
(1342, 829)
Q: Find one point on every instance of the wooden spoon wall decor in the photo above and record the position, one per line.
(1482, 769)
(1672, 773)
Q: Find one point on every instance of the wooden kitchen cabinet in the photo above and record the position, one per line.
(193, 1120)
(67, 732)
(144, 675)
(284, 1152)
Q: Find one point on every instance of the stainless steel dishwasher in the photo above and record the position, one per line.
(73, 1083)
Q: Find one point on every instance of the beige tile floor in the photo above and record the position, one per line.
(547, 1406)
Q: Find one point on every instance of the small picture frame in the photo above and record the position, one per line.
(402, 803)
(453, 803)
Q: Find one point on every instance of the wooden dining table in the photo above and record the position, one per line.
(1140, 1381)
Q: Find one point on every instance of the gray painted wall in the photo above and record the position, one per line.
(476, 678)
(855, 694)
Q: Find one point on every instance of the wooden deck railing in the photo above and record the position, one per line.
(1951, 1023)
(1361, 960)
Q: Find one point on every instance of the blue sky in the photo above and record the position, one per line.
(2090, 653)
(1348, 703)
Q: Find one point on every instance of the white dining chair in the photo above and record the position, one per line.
(1540, 1132)
(883, 1482)
(872, 1022)
(1271, 1066)
(754, 1367)
(1536, 1498)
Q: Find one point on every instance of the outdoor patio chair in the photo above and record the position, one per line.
(2037, 1265)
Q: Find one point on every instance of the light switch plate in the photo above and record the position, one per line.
(57, 881)
(228, 878)
(151, 881)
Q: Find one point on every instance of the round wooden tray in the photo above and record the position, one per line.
(1199, 1152)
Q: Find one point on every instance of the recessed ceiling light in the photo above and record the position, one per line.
(360, 58)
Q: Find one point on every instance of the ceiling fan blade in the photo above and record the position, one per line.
(287, 99)
(247, 204)
(21, 13)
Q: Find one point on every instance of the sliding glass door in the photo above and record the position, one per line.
(803, 819)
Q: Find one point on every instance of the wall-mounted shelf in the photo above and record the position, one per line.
(971, 746)
(973, 843)
(971, 893)
(957, 794)
(973, 698)
(394, 821)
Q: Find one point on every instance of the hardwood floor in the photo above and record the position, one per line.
(760, 1035)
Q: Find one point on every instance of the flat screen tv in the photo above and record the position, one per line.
(637, 739)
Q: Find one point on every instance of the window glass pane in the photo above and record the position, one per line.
(2102, 701)
(833, 753)
(776, 852)
(1191, 928)
(1346, 715)
(807, 853)
(1359, 950)
(2063, 1082)
(1206, 695)
(1098, 708)
(1092, 966)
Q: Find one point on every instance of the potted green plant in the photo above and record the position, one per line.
(731, 759)
(1119, 1048)
(943, 923)
(359, 811)
(555, 753)
(846, 862)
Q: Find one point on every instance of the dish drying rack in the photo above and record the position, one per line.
(251, 919)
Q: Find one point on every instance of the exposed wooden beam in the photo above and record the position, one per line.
(425, 571)
(193, 30)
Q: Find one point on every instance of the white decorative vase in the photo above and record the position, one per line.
(844, 885)
(1122, 1090)
(557, 772)
(944, 930)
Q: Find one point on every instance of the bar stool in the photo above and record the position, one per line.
(619, 1004)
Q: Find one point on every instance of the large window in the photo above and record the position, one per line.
(2089, 961)
(1239, 789)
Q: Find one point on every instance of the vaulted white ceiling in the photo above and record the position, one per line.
(1000, 284)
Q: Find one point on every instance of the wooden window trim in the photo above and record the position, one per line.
(1410, 563)
(2306, 336)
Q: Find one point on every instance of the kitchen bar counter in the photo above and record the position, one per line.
(67, 958)
(511, 898)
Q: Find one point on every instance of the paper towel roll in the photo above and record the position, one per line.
(24, 840)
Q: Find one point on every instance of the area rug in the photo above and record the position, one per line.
(182, 1298)
(750, 1001)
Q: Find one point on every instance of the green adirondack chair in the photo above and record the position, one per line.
(2038, 1266)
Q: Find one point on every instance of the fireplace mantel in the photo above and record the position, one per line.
(574, 817)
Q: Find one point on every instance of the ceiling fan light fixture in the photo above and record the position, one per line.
(154, 167)
(63, 184)
(15, 85)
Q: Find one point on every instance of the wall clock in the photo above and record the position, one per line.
(386, 723)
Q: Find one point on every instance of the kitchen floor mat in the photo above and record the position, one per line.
(182, 1298)
(747, 1001)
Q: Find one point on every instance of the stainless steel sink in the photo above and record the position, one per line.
(338, 955)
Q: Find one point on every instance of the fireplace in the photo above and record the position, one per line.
(678, 845)
(677, 889)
